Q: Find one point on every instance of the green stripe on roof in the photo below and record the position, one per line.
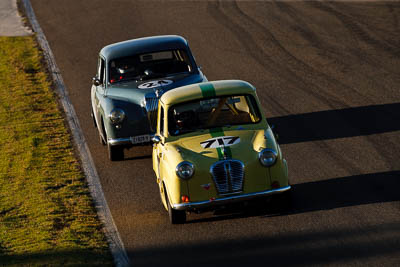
(207, 90)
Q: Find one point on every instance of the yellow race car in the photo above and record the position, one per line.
(213, 147)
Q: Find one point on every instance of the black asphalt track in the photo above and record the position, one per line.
(328, 76)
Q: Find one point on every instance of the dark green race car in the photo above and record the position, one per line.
(131, 77)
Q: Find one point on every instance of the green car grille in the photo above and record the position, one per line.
(152, 107)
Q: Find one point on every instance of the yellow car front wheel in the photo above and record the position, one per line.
(175, 216)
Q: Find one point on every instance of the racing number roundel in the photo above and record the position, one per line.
(221, 141)
(153, 84)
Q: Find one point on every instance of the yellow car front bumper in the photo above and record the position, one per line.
(229, 199)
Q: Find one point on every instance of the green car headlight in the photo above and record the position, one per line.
(267, 157)
(117, 115)
(185, 170)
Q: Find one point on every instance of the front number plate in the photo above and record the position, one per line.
(140, 139)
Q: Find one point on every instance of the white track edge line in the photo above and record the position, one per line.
(114, 240)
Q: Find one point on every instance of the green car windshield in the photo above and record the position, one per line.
(150, 65)
(216, 112)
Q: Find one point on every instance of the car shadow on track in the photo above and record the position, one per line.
(138, 157)
(347, 191)
(323, 195)
(138, 153)
(339, 123)
(298, 248)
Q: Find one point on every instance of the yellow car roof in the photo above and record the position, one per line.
(206, 90)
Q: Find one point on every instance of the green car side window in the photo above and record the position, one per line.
(101, 70)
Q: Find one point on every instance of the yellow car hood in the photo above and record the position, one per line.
(236, 144)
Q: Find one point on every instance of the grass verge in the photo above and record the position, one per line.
(46, 211)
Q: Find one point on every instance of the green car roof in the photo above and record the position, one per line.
(143, 45)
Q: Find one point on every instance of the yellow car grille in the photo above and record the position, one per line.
(228, 176)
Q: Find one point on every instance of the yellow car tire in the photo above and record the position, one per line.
(175, 216)
(284, 202)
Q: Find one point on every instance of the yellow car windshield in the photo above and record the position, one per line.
(210, 113)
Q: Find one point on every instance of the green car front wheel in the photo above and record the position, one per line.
(115, 153)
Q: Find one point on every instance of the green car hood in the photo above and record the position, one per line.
(130, 91)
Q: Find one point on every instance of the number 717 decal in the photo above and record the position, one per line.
(220, 142)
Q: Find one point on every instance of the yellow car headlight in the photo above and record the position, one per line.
(185, 170)
(267, 157)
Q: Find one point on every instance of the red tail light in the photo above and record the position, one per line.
(185, 199)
